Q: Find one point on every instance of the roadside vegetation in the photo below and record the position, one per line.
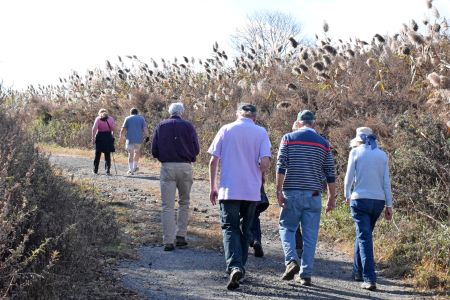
(55, 236)
(398, 85)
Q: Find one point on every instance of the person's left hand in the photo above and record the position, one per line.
(331, 204)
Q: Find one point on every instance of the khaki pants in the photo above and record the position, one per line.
(175, 176)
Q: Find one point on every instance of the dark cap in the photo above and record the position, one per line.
(247, 107)
(306, 115)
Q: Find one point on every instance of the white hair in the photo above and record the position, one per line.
(176, 108)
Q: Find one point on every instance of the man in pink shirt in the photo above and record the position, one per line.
(243, 150)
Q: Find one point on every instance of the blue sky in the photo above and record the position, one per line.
(46, 39)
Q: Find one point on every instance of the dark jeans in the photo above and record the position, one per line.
(236, 217)
(97, 160)
(365, 213)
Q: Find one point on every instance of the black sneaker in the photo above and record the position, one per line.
(257, 247)
(371, 286)
(292, 268)
(304, 281)
(180, 241)
(169, 247)
(235, 276)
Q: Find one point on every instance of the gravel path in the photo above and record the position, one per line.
(199, 273)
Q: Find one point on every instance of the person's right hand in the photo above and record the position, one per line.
(213, 196)
(388, 213)
(280, 199)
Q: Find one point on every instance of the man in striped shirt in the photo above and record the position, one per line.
(304, 159)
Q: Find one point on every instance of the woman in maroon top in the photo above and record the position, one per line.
(103, 138)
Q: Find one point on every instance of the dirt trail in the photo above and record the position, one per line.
(198, 272)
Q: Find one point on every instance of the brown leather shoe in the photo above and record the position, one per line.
(292, 268)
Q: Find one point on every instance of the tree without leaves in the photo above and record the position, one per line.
(266, 31)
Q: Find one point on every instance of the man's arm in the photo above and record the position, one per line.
(123, 132)
(279, 183)
(213, 165)
(264, 164)
(331, 195)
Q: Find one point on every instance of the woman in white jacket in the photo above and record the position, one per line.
(368, 190)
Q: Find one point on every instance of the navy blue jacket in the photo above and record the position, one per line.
(175, 140)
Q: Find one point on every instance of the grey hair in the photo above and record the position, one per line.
(246, 114)
(176, 108)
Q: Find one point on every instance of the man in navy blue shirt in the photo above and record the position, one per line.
(175, 145)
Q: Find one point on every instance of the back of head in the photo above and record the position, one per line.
(103, 114)
(134, 111)
(306, 117)
(246, 110)
(176, 109)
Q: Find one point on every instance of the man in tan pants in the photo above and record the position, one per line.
(175, 145)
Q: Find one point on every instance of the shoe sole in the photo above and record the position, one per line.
(234, 281)
(291, 273)
(305, 283)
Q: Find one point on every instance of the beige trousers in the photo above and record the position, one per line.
(175, 176)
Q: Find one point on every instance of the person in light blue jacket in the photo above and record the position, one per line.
(367, 188)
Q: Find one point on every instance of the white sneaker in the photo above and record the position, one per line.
(130, 172)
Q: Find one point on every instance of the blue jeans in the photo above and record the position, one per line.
(365, 213)
(304, 208)
(236, 217)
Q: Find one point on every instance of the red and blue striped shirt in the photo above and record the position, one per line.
(305, 158)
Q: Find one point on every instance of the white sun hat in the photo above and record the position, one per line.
(357, 140)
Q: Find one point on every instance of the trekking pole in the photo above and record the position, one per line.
(114, 161)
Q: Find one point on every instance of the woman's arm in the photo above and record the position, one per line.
(349, 175)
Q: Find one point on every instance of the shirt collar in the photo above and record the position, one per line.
(307, 128)
(244, 119)
(175, 117)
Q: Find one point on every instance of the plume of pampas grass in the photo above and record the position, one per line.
(330, 50)
(294, 43)
(325, 26)
(370, 62)
(304, 54)
(326, 60)
(296, 71)
(318, 66)
(291, 87)
(444, 82)
(379, 38)
(414, 25)
(436, 27)
(303, 67)
(350, 52)
(434, 79)
(283, 105)
(415, 38)
(324, 75)
(436, 13)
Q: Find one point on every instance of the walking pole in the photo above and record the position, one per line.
(114, 161)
